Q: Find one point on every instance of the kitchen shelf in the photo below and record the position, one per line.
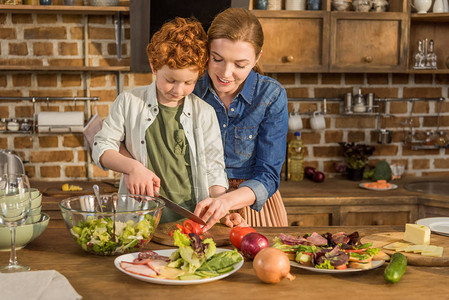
(65, 68)
(430, 17)
(64, 9)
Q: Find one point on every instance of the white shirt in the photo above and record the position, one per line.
(135, 110)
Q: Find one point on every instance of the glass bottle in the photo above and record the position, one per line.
(431, 56)
(441, 139)
(295, 159)
(419, 56)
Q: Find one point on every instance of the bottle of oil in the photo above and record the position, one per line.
(295, 158)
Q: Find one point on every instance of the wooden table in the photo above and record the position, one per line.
(95, 277)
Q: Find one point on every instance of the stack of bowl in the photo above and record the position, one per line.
(33, 227)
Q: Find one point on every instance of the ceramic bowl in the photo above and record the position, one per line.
(36, 201)
(136, 219)
(34, 215)
(104, 2)
(340, 5)
(25, 233)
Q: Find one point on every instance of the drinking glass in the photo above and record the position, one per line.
(15, 203)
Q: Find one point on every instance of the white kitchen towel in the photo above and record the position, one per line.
(52, 121)
(36, 285)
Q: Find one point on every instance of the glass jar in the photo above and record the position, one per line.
(441, 139)
(3, 124)
(13, 125)
(429, 140)
(25, 125)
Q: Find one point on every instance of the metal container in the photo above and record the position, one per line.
(348, 103)
(370, 102)
(383, 136)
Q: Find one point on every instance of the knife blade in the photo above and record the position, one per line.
(179, 209)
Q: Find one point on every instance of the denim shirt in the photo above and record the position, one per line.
(254, 132)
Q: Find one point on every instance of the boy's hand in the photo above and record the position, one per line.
(234, 219)
(142, 181)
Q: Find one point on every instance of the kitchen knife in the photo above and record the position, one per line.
(179, 209)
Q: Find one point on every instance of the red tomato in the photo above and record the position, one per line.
(341, 267)
(192, 226)
(237, 234)
(171, 232)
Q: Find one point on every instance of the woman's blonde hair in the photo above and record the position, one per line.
(180, 43)
(238, 24)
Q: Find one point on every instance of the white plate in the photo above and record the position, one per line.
(437, 225)
(375, 264)
(131, 256)
(392, 187)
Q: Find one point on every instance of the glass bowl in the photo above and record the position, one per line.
(104, 232)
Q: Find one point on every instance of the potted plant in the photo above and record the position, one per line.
(356, 157)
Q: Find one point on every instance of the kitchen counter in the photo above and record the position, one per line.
(95, 277)
(334, 200)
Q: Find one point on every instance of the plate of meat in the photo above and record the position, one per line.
(154, 269)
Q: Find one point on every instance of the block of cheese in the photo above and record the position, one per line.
(417, 234)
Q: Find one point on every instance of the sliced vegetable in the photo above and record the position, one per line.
(192, 226)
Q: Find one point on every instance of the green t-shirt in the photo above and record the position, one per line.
(168, 157)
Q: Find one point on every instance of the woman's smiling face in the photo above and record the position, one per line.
(229, 65)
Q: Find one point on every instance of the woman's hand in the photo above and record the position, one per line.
(211, 210)
(142, 181)
(234, 219)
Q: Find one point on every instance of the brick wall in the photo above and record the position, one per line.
(57, 40)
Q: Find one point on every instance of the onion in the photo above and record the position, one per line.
(308, 172)
(318, 176)
(271, 265)
(252, 243)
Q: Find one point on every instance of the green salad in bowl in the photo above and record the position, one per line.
(120, 223)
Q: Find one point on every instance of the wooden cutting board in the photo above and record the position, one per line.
(219, 233)
(87, 190)
(414, 259)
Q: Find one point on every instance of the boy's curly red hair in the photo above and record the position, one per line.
(180, 43)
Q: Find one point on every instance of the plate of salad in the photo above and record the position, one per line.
(195, 261)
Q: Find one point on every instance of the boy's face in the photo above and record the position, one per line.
(173, 85)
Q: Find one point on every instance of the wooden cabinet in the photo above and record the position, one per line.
(433, 26)
(351, 215)
(378, 215)
(311, 215)
(362, 42)
(294, 40)
(348, 41)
